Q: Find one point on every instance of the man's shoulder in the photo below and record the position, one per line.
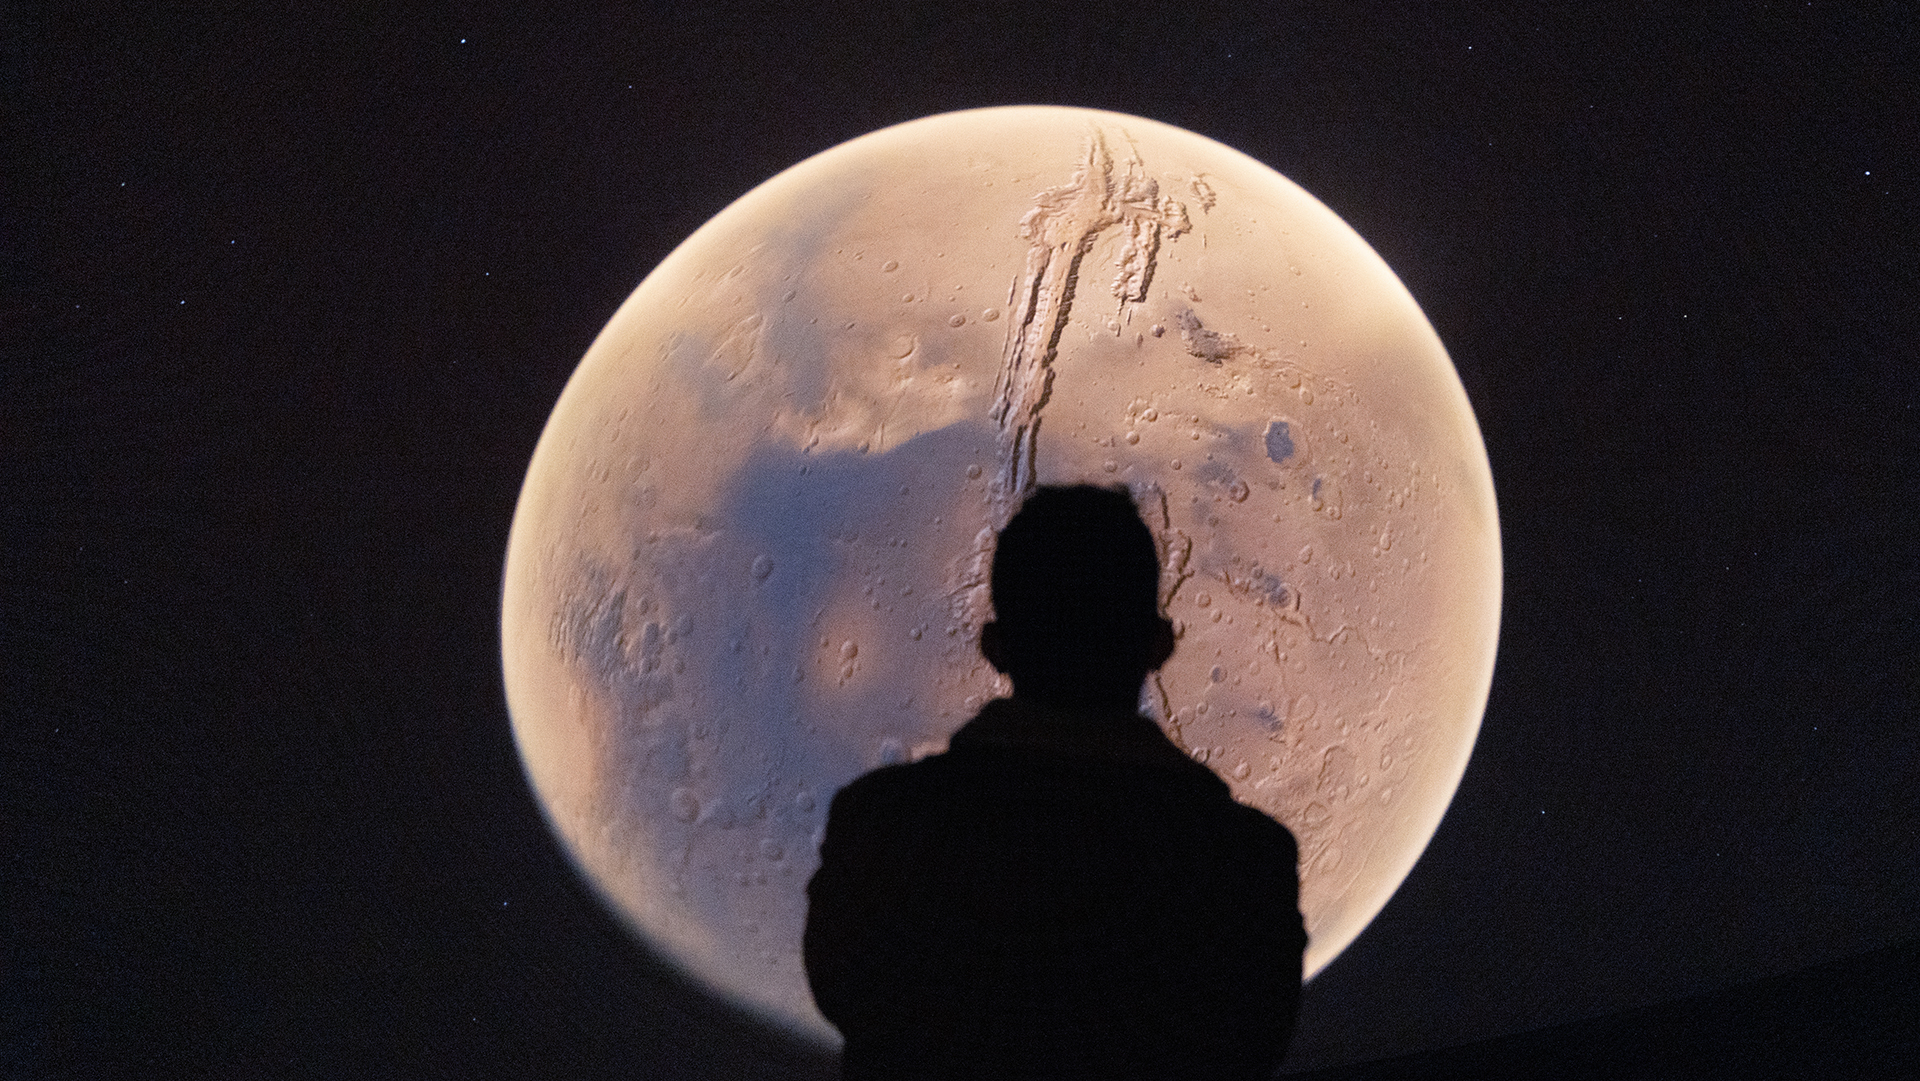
(903, 776)
(896, 789)
(967, 766)
(974, 779)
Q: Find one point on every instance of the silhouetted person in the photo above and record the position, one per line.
(1063, 893)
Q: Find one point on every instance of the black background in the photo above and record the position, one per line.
(289, 294)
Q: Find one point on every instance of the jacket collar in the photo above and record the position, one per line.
(1098, 734)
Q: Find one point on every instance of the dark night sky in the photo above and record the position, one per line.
(288, 296)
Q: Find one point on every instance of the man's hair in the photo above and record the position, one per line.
(1076, 585)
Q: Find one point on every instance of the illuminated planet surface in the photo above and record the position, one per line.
(748, 561)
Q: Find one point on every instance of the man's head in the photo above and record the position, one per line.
(1076, 586)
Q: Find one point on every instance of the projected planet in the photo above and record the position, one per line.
(748, 563)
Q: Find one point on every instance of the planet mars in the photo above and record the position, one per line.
(748, 562)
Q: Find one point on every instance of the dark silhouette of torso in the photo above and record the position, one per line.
(1062, 894)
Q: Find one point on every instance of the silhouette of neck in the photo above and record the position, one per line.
(1078, 697)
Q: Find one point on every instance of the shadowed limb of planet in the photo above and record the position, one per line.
(748, 562)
